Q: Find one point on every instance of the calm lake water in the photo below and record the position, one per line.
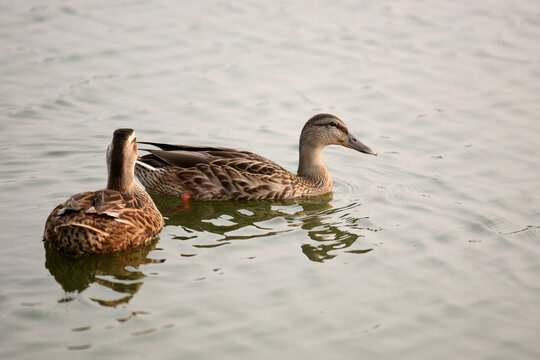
(429, 251)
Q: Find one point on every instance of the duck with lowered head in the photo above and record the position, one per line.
(216, 173)
(118, 217)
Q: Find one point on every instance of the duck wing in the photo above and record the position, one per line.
(105, 202)
(213, 173)
(100, 221)
(185, 156)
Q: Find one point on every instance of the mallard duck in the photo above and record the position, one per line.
(118, 217)
(215, 173)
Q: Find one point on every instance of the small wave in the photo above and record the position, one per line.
(207, 225)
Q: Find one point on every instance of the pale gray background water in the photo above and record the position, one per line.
(429, 251)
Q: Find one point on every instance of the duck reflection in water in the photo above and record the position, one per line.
(241, 220)
(331, 229)
(117, 271)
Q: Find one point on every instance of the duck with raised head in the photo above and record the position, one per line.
(116, 218)
(216, 173)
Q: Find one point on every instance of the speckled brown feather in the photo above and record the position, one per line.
(102, 221)
(226, 174)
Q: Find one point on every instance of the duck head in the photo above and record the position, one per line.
(325, 129)
(121, 158)
(320, 131)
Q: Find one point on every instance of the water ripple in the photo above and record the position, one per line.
(212, 224)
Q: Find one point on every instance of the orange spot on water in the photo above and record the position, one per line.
(185, 199)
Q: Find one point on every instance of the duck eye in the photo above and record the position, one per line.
(333, 123)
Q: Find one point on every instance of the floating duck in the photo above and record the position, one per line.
(118, 217)
(216, 173)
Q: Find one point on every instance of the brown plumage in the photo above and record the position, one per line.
(215, 173)
(116, 218)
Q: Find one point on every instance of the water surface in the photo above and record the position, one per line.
(429, 250)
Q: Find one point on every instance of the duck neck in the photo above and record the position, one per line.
(121, 178)
(311, 167)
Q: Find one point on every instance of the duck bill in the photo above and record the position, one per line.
(353, 143)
